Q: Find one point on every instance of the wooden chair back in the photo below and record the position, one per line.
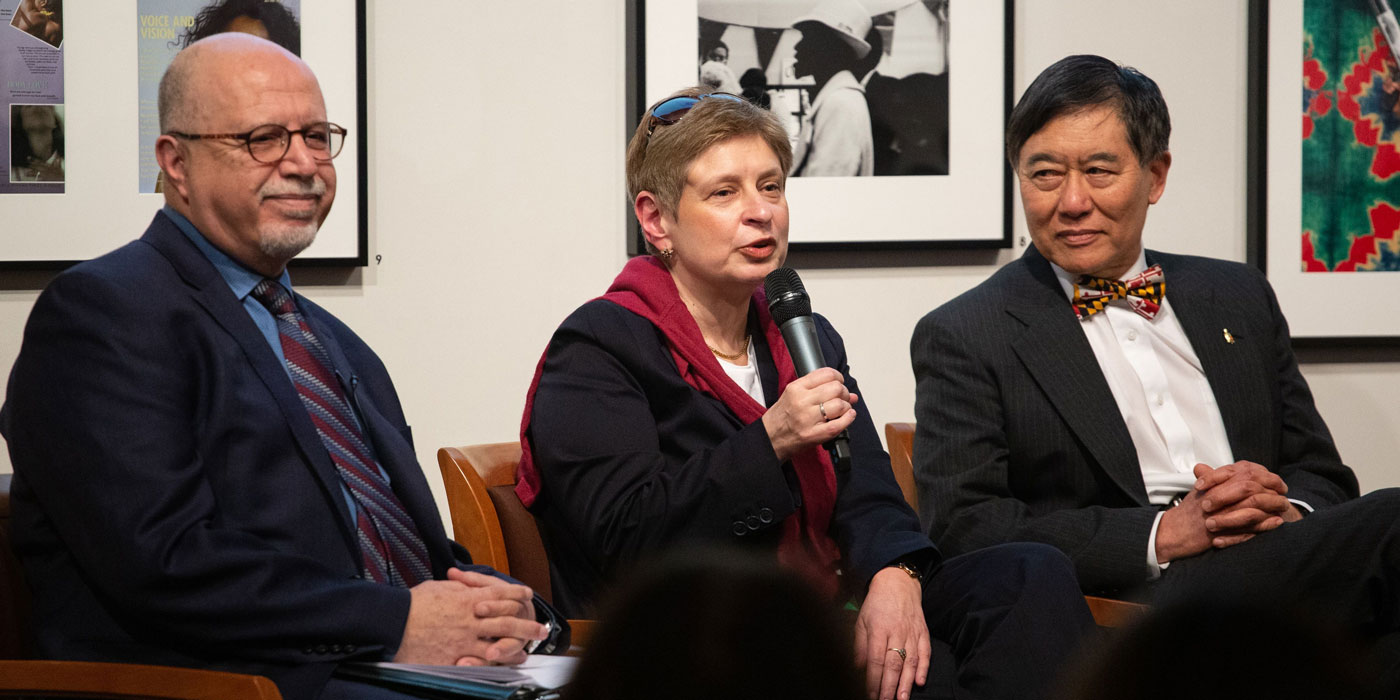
(491, 522)
(488, 518)
(899, 437)
(21, 676)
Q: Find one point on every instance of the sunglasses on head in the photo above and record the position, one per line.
(670, 111)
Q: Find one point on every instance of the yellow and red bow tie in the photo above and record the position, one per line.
(1143, 291)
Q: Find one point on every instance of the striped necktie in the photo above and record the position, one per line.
(392, 549)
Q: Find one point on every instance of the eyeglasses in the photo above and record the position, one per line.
(671, 111)
(269, 143)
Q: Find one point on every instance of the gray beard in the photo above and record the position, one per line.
(289, 241)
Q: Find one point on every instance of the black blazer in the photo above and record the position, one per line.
(1019, 437)
(633, 460)
(172, 501)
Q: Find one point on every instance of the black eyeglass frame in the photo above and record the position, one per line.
(332, 129)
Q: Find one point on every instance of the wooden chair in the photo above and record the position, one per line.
(491, 522)
(900, 439)
(20, 675)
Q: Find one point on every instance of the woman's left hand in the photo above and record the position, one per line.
(892, 618)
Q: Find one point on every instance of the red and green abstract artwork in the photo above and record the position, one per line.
(1351, 141)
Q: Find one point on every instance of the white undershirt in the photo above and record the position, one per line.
(1162, 393)
(746, 376)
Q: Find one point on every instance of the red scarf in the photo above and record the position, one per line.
(646, 288)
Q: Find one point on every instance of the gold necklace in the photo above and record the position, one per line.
(736, 356)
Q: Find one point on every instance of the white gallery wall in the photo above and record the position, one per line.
(496, 202)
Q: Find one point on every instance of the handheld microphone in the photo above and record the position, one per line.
(792, 311)
(1389, 27)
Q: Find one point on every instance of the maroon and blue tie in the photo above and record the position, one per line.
(392, 549)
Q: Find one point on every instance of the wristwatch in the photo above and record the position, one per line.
(913, 573)
(534, 644)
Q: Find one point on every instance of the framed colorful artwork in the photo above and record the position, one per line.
(1324, 166)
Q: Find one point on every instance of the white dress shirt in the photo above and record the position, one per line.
(1162, 393)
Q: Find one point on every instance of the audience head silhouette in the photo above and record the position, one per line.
(715, 624)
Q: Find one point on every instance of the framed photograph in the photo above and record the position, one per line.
(895, 108)
(1324, 166)
(82, 177)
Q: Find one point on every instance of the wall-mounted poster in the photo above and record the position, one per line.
(86, 180)
(166, 26)
(31, 97)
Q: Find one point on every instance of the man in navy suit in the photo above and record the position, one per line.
(1167, 444)
(211, 470)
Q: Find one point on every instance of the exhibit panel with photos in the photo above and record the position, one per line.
(81, 111)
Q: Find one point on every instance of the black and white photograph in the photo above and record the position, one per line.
(862, 87)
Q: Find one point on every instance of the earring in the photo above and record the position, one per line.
(668, 255)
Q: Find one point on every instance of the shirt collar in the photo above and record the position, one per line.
(239, 278)
(1067, 280)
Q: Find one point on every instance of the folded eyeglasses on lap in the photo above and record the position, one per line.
(270, 142)
(670, 111)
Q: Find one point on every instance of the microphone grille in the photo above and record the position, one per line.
(787, 298)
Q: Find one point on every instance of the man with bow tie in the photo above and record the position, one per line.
(1167, 443)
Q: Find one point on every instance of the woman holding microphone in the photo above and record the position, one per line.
(668, 413)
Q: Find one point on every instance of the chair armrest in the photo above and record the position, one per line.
(581, 633)
(1114, 613)
(91, 679)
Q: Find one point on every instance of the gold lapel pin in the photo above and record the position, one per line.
(1228, 338)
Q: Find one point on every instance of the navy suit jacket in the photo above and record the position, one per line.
(634, 461)
(172, 501)
(1019, 436)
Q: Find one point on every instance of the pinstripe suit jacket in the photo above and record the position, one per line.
(1019, 437)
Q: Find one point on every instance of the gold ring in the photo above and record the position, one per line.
(902, 655)
(822, 407)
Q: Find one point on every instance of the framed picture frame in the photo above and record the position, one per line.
(1322, 215)
(909, 201)
(112, 57)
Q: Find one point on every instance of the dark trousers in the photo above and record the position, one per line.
(1005, 621)
(1341, 563)
(344, 689)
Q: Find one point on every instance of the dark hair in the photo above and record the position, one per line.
(754, 86)
(717, 624)
(282, 26)
(20, 152)
(1081, 82)
(708, 45)
(1200, 649)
